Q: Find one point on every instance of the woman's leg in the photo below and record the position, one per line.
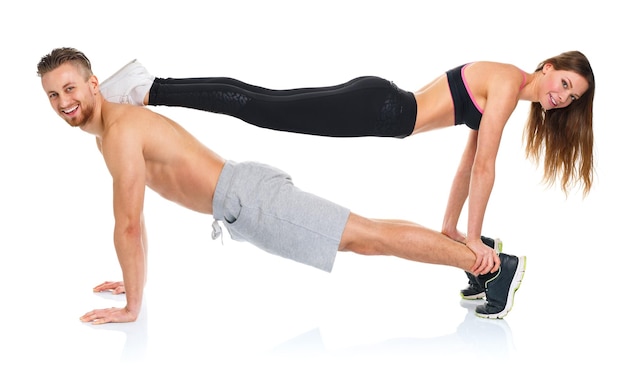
(365, 106)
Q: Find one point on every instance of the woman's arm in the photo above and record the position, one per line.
(496, 89)
(480, 186)
(502, 101)
(468, 178)
(460, 190)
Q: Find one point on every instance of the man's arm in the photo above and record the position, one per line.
(118, 287)
(123, 154)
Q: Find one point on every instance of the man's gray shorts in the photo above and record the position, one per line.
(259, 204)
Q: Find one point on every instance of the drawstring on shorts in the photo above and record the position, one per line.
(217, 231)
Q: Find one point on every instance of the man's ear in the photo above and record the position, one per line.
(93, 83)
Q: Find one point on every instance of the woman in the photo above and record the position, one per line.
(481, 95)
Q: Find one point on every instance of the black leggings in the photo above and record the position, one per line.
(365, 106)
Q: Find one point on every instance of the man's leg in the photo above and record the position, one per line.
(405, 240)
(417, 243)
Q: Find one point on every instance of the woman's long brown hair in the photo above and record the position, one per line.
(564, 137)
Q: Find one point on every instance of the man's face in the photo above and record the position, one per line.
(70, 96)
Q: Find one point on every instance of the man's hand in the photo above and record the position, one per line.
(487, 259)
(111, 315)
(113, 287)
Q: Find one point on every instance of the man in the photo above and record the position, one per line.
(256, 202)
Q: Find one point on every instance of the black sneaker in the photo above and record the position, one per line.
(500, 287)
(474, 290)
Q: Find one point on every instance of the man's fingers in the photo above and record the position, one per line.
(110, 315)
(116, 287)
(101, 316)
(91, 317)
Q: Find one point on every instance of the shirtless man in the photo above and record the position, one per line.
(256, 202)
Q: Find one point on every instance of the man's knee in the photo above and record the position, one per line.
(360, 236)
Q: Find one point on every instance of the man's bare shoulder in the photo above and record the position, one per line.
(125, 117)
(125, 122)
(157, 136)
(124, 127)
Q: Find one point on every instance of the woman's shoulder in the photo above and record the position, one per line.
(495, 67)
(497, 72)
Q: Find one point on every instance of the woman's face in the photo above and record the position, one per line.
(559, 88)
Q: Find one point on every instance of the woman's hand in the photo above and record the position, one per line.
(455, 235)
(487, 260)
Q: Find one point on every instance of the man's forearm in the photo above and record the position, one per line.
(132, 259)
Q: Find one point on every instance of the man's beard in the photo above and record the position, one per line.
(86, 112)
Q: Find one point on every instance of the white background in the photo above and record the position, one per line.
(234, 306)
